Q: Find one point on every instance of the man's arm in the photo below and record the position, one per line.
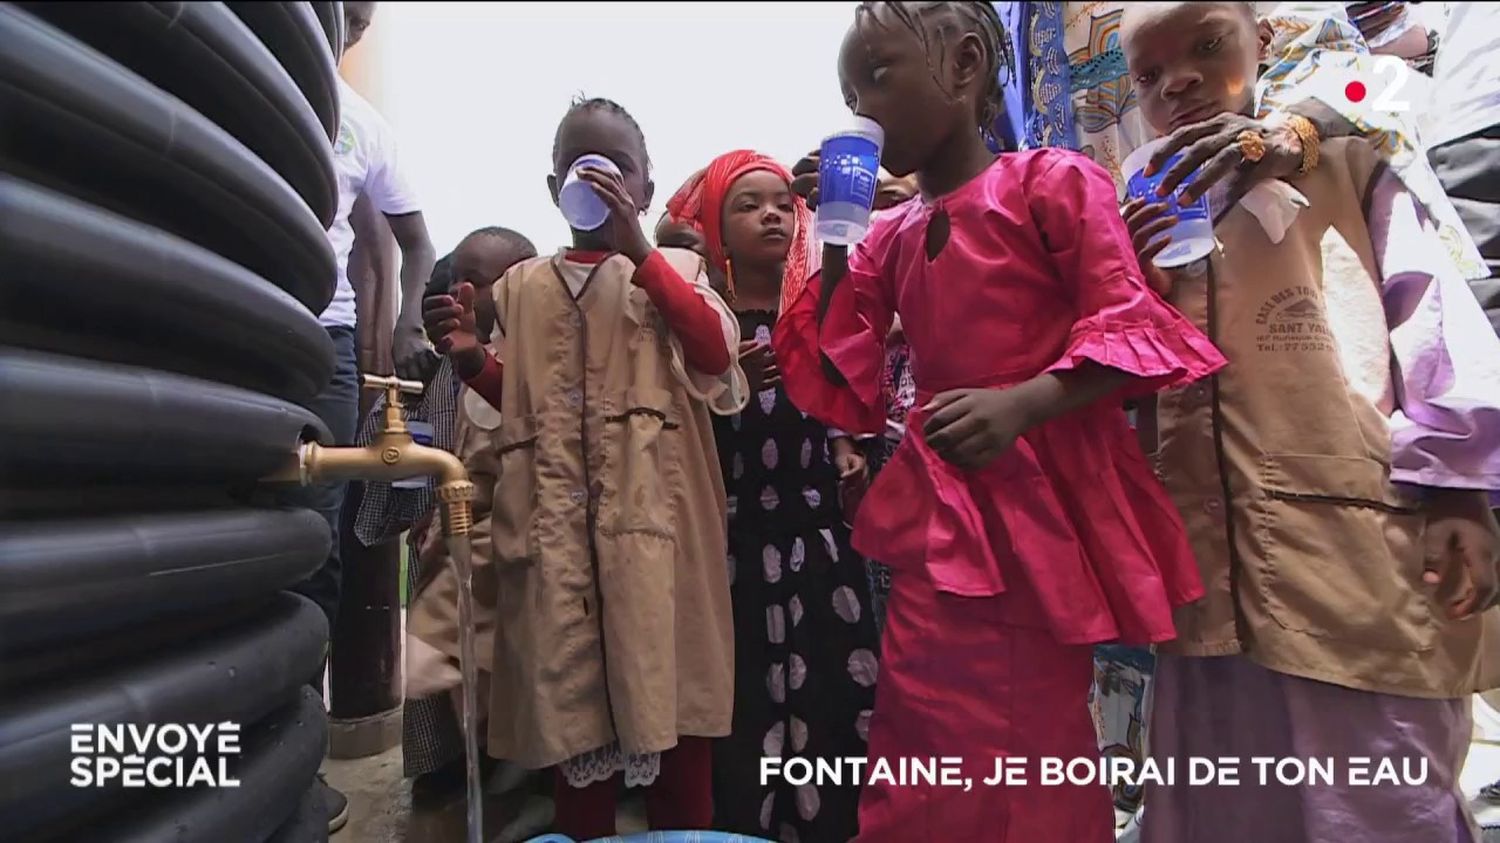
(415, 360)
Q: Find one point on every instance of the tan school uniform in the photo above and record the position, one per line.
(1281, 465)
(611, 615)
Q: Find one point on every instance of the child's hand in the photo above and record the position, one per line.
(624, 218)
(759, 363)
(1145, 222)
(1213, 149)
(848, 460)
(428, 670)
(449, 321)
(1462, 549)
(851, 467)
(971, 427)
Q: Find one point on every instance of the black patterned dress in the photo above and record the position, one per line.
(805, 640)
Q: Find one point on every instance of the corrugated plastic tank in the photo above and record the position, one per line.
(166, 181)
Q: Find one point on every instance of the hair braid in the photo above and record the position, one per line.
(937, 23)
(582, 103)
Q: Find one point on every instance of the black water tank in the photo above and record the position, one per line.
(166, 181)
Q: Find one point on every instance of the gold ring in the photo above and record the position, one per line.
(1251, 145)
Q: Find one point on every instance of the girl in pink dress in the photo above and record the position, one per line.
(1019, 517)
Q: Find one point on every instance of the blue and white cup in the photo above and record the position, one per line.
(1192, 238)
(580, 205)
(848, 173)
(422, 434)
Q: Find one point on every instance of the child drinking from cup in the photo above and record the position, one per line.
(613, 645)
(1330, 477)
(1018, 515)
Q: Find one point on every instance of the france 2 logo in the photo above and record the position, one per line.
(1391, 75)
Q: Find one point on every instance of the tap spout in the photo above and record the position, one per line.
(393, 455)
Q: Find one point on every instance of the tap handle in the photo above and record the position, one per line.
(393, 387)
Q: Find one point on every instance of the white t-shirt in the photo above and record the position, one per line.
(364, 156)
(1466, 93)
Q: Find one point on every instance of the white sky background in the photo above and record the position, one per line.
(474, 92)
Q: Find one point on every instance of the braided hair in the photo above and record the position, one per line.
(582, 103)
(935, 23)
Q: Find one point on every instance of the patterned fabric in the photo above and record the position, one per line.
(900, 388)
(601, 765)
(1109, 124)
(1049, 81)
(430, 735)
(1122, 682)
(805, 641)
(900, 396)
(386, 512)
(1038, 101)
(1314, 53)
(660, 837)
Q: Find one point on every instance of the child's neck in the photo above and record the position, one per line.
(757, 287)
(591, 241)
(954, 164)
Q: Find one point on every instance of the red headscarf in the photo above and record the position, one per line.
(700, 203)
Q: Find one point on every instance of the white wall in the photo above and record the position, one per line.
(474, 92)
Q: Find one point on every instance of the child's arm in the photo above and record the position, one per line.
(1446, 373)
(971, 427)
(688, 315)
(830, 341)
(1124, 337)
(449, 321)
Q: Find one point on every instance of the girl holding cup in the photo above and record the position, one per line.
(1021, 522)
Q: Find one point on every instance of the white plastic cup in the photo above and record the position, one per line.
(580, 205)
(1192, 238)
(848, 173)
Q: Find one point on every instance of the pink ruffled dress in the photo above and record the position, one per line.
(1037, 275)
(1002, 576)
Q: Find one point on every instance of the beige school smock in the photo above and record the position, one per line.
(610, 610)
(1282, 464)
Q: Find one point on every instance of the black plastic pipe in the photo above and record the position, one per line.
(69, 579)
(79, 122)
(281, 754)
(203, 54)
(239, 675)
(293, 34)
(135, 294)
(83, 421)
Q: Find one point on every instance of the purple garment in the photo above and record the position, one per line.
(1228, 706)
(1446, 429)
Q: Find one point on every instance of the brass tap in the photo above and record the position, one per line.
(393, 455)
